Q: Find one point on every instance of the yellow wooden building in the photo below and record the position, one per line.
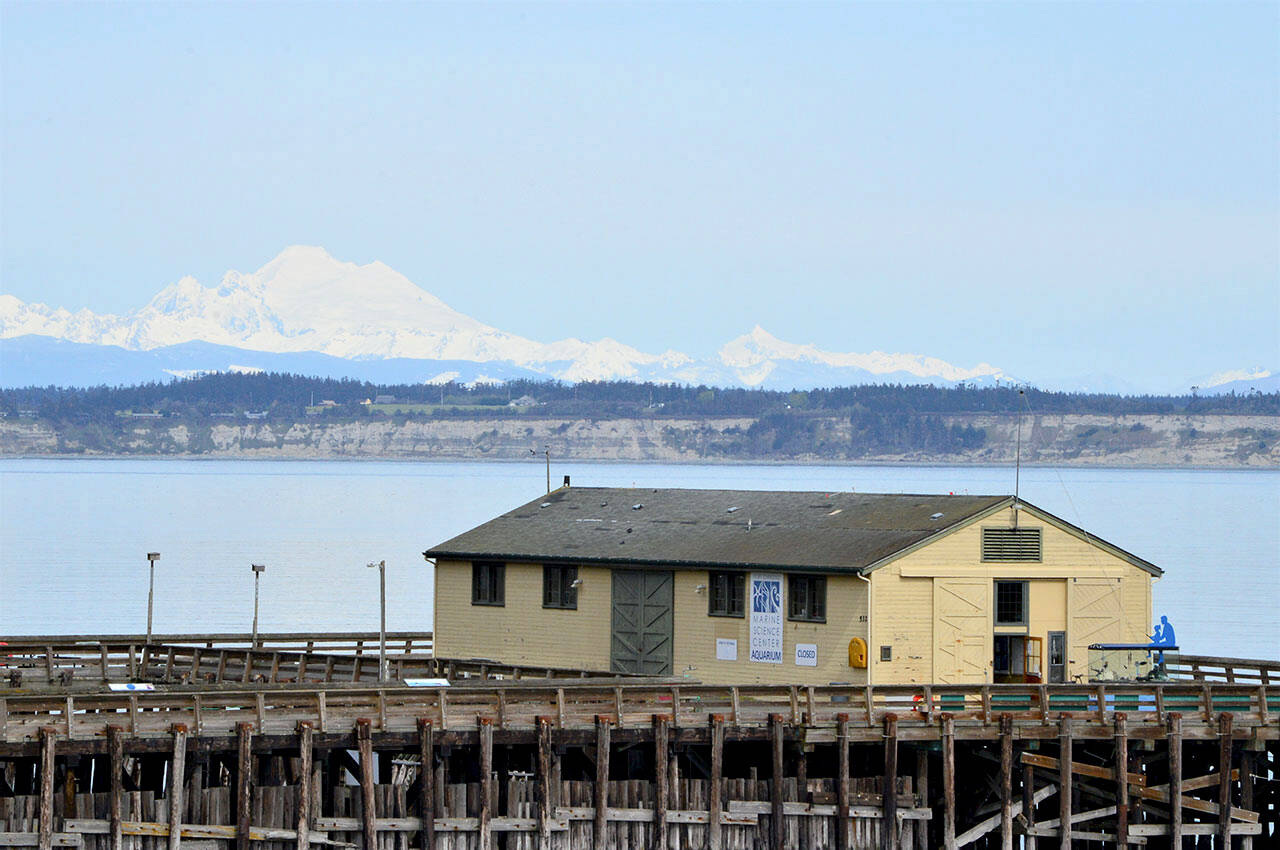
(787, 587)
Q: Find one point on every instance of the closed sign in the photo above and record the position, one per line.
(806, 655)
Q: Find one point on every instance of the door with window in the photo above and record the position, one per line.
(641, 622)
(1057, 657)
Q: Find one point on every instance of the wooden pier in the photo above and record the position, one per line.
(618, 762)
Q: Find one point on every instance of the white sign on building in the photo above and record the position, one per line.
(806, 655)
(766, 618)
(726, 649)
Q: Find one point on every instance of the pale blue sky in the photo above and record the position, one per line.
(1058, 189)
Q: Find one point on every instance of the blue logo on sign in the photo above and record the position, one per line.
(766, 597)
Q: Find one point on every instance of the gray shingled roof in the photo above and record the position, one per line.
(729, 528)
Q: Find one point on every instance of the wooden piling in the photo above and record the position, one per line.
(660, 776)
(177, 777)
(948, 782)
(426, 782)
(714, 798)
(842, 782)
(115, 744)
(1122, 779)
(244, 776)
(602, 782)
(1029, 804)
(777, 821)
(1246, 792)
(306, 756)
(889, 787)
(1224, 782)
(48, 736)
(1064, 783)
(368, 809)
(544, 782)
(1175, 780)
(486, 783)
(1006, 781)
(922, 792)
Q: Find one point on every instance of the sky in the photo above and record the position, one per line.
(1056, 189)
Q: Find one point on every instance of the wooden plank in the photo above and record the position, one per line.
(889, 785)
(47, 765)
(1091, 770)
(306, 754)
(177, 779)
(776, 821)
(985, 826)
(717, 783)
(31, 839)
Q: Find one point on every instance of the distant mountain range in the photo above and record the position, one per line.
(309, 313)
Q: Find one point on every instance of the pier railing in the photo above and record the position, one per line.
(1211, 668)
(76, 665)
(342, 643)
(634, 703)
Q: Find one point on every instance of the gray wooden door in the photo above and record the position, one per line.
(1057, 657)
(642, 622)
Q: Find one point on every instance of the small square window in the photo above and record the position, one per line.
(1011, 603)
(488, 583)
(725, 593)
(808, 602)
(886, 653)
(559, 587)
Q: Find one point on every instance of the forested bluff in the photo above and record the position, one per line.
(290, 416)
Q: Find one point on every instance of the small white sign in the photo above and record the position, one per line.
(806, 655)
(131, 686)
(426, 683)
(726, 649)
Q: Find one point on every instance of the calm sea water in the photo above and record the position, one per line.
(74, 535)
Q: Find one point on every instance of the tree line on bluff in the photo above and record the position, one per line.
(881, 419)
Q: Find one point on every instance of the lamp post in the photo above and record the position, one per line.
(152, 557)
(382, 627)
(546, 451)
(258, 570)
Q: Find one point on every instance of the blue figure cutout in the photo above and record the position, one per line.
(1162, 635)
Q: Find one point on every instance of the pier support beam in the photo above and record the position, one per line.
(1029, 803)
(1175, 780)
(1006, 781)
(889, 787)
(777, 821)
(1064, 783)
(1122, 779)
(842, 782)
(948, 782)
(177, 779)
(486, 783)
(368, 809)
(244, 788)
(44, 837)
(661, 773)
(1224, 783)
(115, 744)
(714, 798)
(305, 758)
(544, 783)
(426, 783)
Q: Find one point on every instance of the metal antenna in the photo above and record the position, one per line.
(1017, 463)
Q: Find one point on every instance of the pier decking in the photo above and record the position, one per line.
(618, 762)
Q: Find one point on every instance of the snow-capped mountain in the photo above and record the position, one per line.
(305, 301)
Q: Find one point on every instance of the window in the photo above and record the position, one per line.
(487, 583)
(558, 588)
(1011, 603)
(808, 599)
(1011, 544)
(725, 593)
(886, 653)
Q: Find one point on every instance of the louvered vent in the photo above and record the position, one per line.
(1011, 544)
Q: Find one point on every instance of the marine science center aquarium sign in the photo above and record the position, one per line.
(766, 618)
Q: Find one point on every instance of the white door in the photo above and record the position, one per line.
(962, 611)
(1096, 616)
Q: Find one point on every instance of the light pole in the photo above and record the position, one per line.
(546, 451)
(151, 591)
(382, 627)
(258, 570)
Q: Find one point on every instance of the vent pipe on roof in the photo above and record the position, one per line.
(566, 481)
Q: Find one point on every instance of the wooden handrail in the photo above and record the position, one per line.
(577, 704)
